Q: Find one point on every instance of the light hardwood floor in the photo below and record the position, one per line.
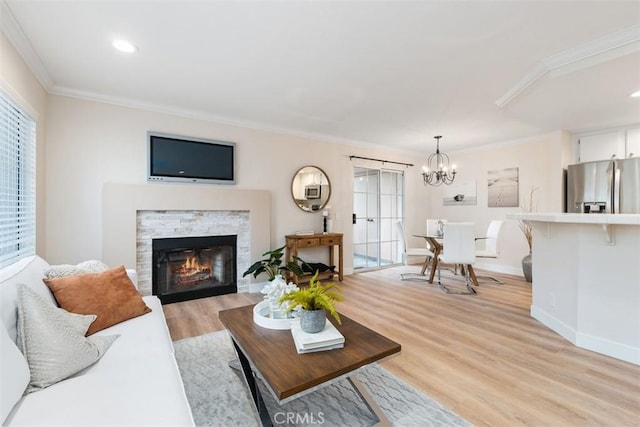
(482, 356)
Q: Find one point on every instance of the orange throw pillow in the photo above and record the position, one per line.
(109, 294)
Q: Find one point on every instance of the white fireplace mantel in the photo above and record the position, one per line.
(121, 202)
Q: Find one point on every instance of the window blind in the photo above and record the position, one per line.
(17, 183)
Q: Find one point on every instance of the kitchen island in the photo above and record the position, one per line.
(586, 279)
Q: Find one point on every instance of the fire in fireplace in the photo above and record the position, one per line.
(186, 268)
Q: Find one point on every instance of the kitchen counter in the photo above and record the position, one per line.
(586, 279)
(577, 218)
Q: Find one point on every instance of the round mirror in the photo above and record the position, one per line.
(310, 189)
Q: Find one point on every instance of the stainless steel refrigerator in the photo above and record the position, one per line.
(609, 186)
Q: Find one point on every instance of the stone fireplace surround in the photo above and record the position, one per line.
(121, 204)
(189, 223)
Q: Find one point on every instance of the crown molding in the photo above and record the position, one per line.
(17, 98)
(13, 32)
(208, 117)
(596, 51)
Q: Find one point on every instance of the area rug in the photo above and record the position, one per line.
(219, 397)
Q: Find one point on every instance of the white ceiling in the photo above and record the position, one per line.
(393, 73)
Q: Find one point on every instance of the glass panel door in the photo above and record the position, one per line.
(378, 198)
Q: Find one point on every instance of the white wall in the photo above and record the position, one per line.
(90, 144)
(539, 161)
(19, 83)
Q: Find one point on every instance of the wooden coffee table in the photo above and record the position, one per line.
(271, 355)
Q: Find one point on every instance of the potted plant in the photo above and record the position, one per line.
(313, 301)
(272, 265)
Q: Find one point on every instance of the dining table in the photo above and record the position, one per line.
(436, 244)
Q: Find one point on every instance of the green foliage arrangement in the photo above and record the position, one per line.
(272, 265)
(314, 297)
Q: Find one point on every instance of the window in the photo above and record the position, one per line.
(17, 183)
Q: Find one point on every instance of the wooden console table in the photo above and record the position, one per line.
(295, 242)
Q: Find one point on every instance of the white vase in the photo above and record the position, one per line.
(527, 268)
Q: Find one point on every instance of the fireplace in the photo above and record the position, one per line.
(187, 268)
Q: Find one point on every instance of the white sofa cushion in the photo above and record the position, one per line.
(29, 271)
(136, 383)
(66, 270)
(109, 294)
(145, 391)
(53, 340)
(142, 336)
(14, 372)
(138, 375)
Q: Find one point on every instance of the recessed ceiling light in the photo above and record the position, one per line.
(124, 46)
(635, 94)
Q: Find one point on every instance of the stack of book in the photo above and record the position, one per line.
(327, 339)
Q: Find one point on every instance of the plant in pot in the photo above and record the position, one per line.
(272, 265)
(277, 286)
(313, 301)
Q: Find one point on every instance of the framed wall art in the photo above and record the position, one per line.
(502, 191)
(460, 194)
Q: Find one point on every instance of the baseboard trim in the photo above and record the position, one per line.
(588, 342)
(256, 287)
(505, 269)
(558, 326)
(604, 346)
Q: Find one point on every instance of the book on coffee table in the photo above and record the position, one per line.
(327, 339)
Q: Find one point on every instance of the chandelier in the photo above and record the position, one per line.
(437, 170)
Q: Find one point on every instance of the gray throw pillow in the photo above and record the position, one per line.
(66, 270)
(52, 340)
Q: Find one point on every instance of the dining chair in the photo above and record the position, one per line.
(459, 248)
(490, 248)
(412, 251)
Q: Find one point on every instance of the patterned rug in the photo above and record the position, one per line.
(219, 397)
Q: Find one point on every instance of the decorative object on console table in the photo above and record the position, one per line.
(525, 227)
(312, 302)
(295, 242)
(327, 222)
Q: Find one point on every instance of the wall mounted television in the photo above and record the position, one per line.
(185, 159)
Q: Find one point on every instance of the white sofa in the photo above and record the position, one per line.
(135, 383)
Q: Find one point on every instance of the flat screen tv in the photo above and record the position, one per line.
(185, 159)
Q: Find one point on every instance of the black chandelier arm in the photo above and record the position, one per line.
(440, 173)
(440, 159)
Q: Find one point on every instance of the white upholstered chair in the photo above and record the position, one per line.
(459, 248)
(490, 247)
(423, 252)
